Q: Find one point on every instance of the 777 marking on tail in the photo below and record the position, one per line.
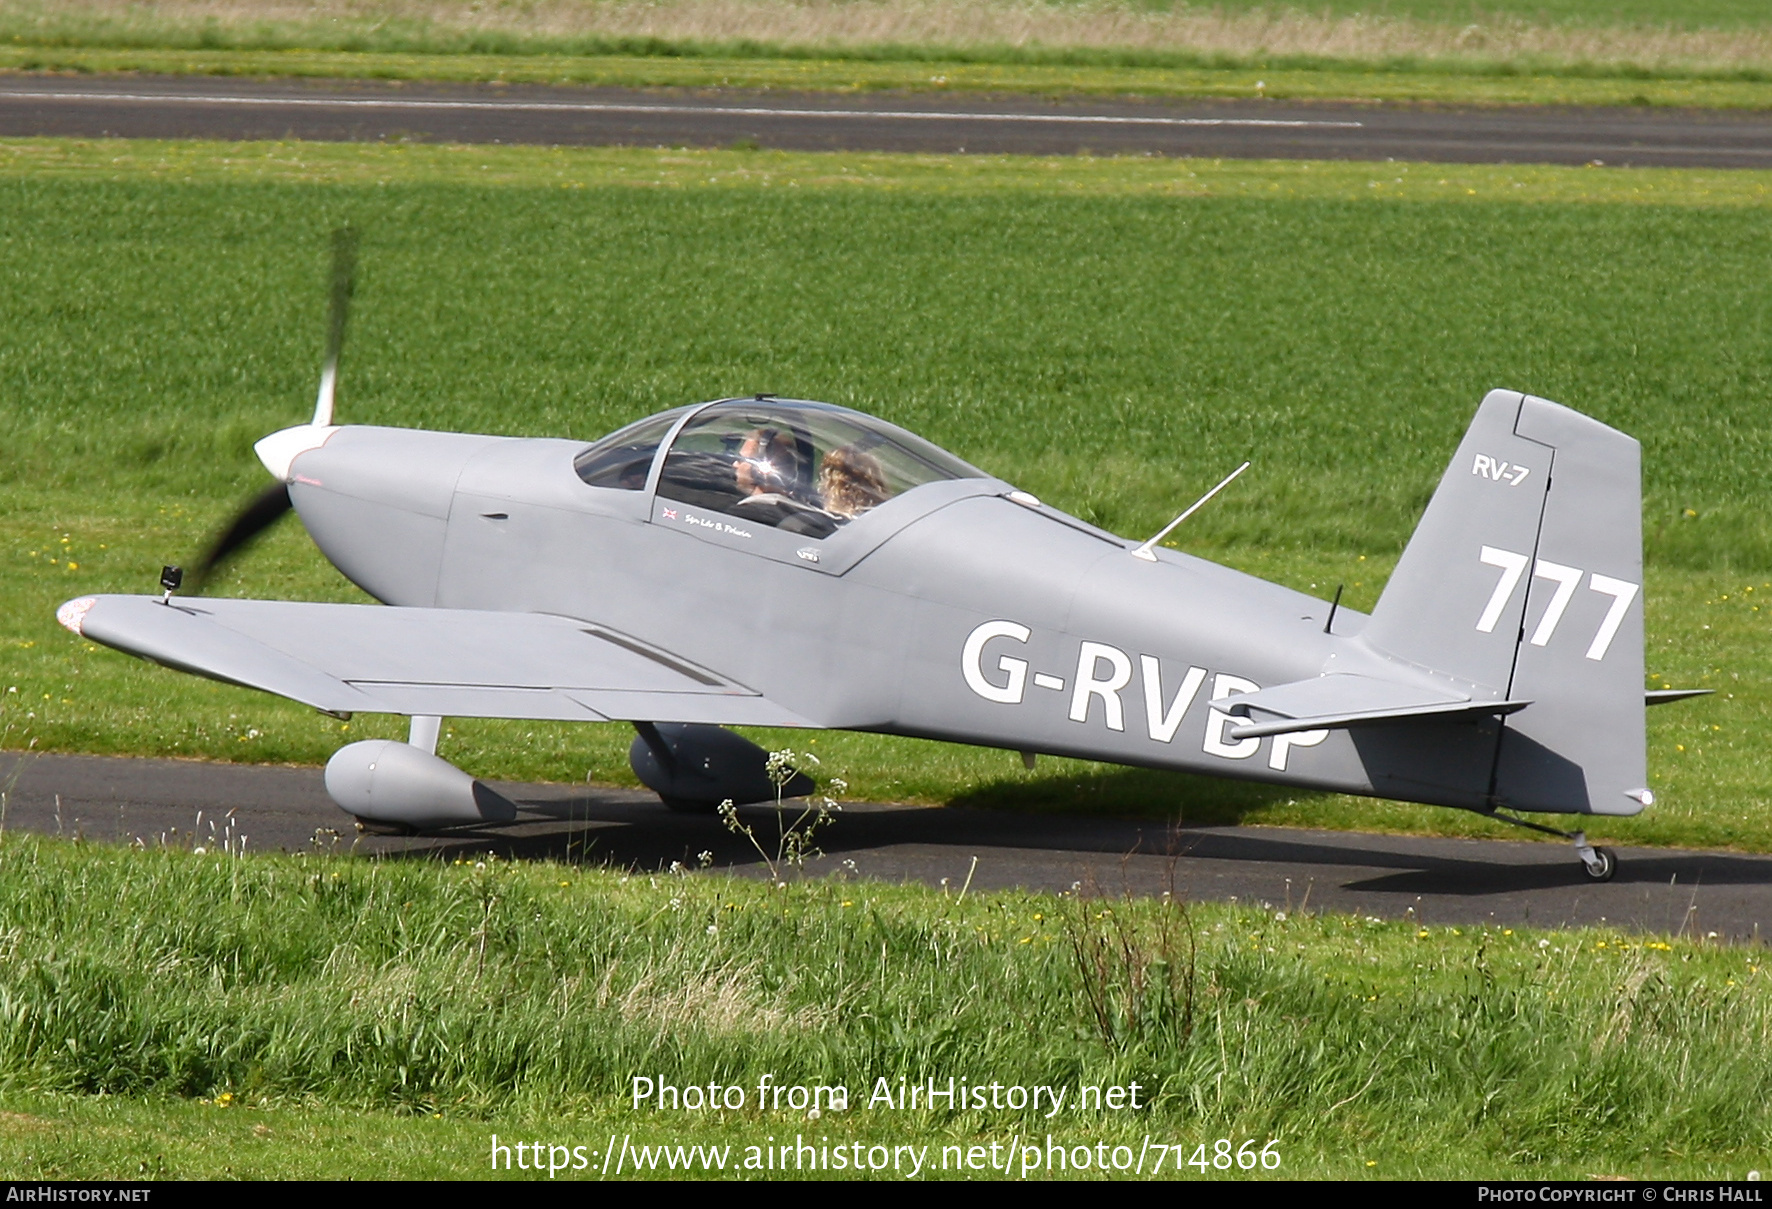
(1513, 569)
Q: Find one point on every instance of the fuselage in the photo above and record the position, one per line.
(959, 610)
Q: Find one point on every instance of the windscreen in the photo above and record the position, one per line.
(623, 459)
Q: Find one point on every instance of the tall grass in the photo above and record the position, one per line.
(482, 988)
(1640, 36)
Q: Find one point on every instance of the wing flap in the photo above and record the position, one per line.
(451, 662)
(1341, 700)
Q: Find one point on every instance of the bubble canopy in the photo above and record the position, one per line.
(801, 467)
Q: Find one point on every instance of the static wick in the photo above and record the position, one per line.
(1145, 552)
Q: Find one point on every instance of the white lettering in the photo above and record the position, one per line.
(1088, 659)
(1567, 579)
(1500, 472)
(1217, 721)
(1512, 567)
(1283, 745)
(1164, 723)
(1622, 593)
(1008, 693)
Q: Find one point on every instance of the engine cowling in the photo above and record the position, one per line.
(396, 785)
(694, 767)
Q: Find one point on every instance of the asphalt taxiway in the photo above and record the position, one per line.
(1435, 881)
(231, 108)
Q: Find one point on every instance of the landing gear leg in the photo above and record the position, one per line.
(1598, 863)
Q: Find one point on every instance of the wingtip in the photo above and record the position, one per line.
(72, 614)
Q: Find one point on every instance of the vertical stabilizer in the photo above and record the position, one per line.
(1524, 582)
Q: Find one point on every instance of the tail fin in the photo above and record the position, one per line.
(1524, 579)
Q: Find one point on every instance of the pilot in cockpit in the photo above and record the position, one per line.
(773, 462)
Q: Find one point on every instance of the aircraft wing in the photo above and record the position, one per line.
(447, 662)
(1343, 699)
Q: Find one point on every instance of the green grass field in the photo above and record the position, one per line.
(169, 1014)
(1110, 334)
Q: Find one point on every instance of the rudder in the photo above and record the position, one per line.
(1524, 581)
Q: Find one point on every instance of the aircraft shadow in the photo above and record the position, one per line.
(1123, 793)
(1661, 868)
(642, 836)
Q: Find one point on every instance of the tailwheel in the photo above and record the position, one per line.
(1598, 863)
(1601, 866)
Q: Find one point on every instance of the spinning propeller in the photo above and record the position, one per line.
(269, 506)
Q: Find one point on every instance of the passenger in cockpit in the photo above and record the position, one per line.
(851, 481)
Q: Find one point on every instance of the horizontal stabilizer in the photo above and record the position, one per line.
(1341, 699)
(1661, 696)
(463, 663)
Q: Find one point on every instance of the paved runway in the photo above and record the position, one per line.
(219, 108)
(1437, 881)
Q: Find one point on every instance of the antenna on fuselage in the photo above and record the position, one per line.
(1145, 552)
(344, 279)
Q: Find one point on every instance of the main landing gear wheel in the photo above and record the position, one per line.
(1603, 865)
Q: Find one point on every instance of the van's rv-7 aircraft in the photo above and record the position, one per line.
(774, 562)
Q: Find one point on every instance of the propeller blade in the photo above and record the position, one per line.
(344, 280)
(263, 512)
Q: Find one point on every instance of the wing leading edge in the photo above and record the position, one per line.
(451, 662)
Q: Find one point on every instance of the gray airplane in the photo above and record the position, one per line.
(781, 563)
